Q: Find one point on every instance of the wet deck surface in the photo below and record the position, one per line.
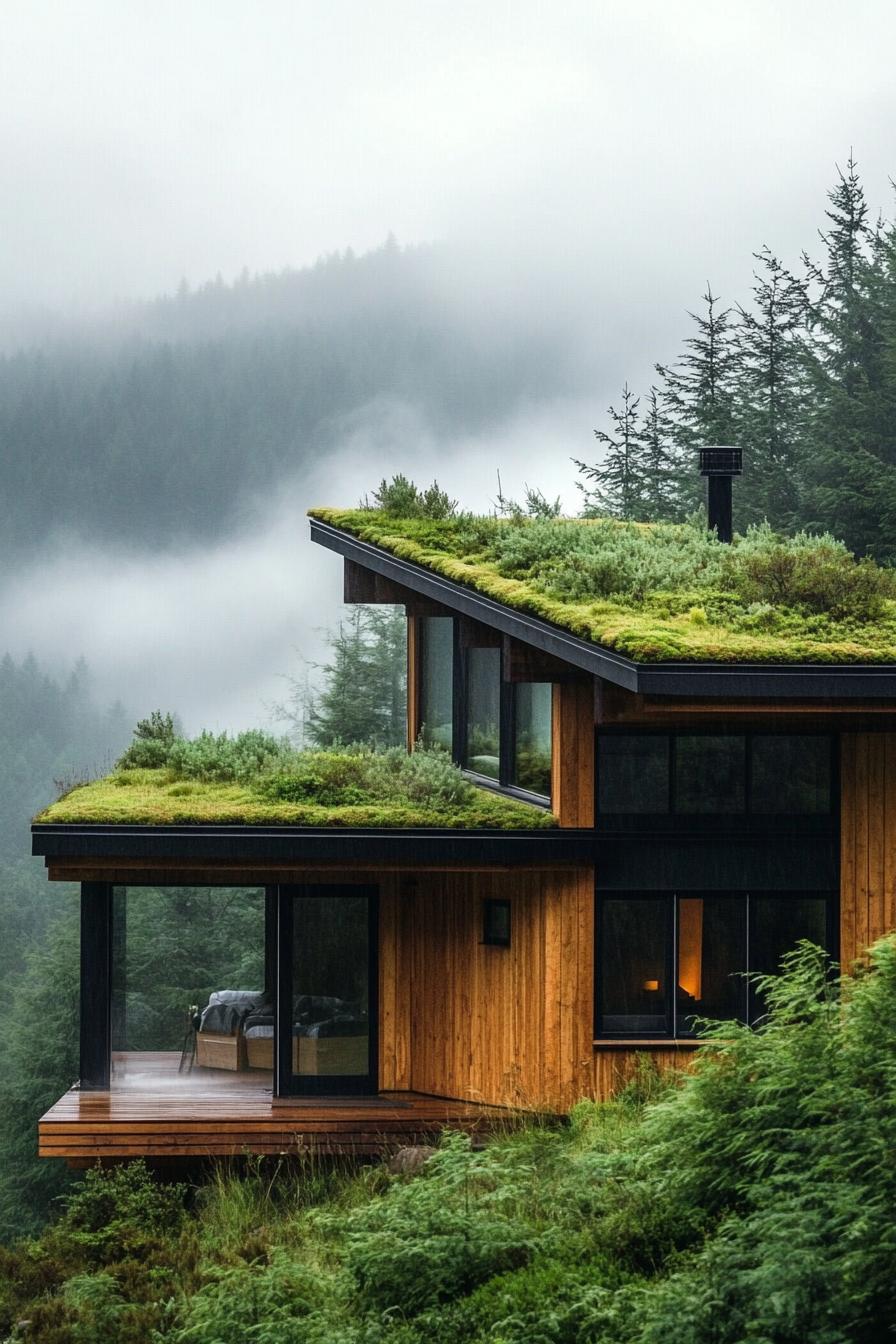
(153, 1110)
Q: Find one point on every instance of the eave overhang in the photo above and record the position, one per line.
(252, 846)
(725, 681)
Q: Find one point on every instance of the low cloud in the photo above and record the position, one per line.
(213, 633)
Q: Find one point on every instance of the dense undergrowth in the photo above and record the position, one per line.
(253, 777)
(659, 591)
(752, 1200)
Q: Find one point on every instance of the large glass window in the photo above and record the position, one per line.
(712, 956)
(188, 971)
(633, 773)
(504, 727)
(776, 927)
(484, 712)
(436, 680)
(791, 773)
(710, 773)
(331, 986)
(706, 945)
(693, 774)
(635, 957)
(532, 737)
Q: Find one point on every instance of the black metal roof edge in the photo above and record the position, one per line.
(287, 843)
(802, 681)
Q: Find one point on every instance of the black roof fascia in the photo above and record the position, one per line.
(731, 681)
(294, 844)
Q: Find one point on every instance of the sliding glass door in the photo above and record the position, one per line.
(327, 1011)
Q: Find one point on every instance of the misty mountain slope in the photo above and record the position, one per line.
(158, 437)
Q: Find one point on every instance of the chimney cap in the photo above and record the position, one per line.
(721, 459)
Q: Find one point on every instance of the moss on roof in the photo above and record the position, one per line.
(152, 798)
(658, 592)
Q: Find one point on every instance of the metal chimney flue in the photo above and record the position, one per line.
(720, 463)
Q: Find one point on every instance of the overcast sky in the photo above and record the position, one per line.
(146, 140)
(589, 162)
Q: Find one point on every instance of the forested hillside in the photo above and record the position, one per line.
(50, 730)
(161, 426)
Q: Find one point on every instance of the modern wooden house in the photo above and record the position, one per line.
(709, 813)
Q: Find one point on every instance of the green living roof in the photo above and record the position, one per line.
(150, 797)
(658, 592)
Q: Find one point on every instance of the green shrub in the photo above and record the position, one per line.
(267, 1303)
(580, 562)
(115, 1214)
(402, 499)
(544, 1303)
(810, 574)
(426, 777)
(436, 1237)
(153, 738)
(240, 758)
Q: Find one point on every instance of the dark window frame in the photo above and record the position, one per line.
(747, 820)
(673, 899)
(287, 1083)
(490, 936)
(506, 729)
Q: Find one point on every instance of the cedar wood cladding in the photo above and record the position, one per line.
(867, 841)
(510, 1026)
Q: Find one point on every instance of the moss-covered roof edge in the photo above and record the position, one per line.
(712, 680)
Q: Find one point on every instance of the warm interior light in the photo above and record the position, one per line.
(651, 985)
(690, 947)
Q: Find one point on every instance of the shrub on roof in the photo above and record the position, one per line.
(153, 738)
(578, 562)
(208, 757)
(806, 573)
(401, 498)
(354, 775)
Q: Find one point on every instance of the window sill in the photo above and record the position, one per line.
(508, 790)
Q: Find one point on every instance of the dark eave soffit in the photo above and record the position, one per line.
(297, 845)
(731, 681)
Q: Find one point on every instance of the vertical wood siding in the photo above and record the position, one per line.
(614, 1068)
(510, 1026)
(867, 841)
(572, 766)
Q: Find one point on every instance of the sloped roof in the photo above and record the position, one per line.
(695, 636)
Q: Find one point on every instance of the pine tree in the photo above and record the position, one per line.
(697, 392)
(770, 394)
(617, 482)
(363, 696)
(665, 482)
(850, 428)
(641, 476)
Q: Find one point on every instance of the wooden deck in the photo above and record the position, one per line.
(155, 1112)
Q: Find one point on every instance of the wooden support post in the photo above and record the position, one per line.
(96, 986)
(572, 771)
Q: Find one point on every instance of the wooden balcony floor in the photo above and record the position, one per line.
(156, 1112)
